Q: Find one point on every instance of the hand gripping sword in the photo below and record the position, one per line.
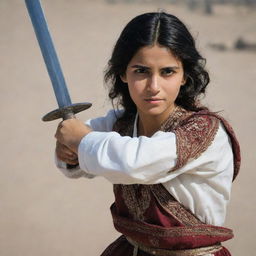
(66, 109)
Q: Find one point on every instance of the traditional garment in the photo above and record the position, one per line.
(160, 214)
(151, 220)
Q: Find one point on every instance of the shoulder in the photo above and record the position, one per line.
(199, 127)
(199, 131)
(194, 135)
(203, 118)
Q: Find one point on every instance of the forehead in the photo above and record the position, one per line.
(155, 55)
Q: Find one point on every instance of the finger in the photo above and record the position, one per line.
(69, 161)
(63, 148)
(59, 127)
(63, 153)
(66, 158)
(63, 156)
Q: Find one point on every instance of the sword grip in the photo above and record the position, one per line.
(69, 115)
(66, 116)
(65, 113)
(70, 166)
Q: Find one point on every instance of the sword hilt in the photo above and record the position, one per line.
(66, 112)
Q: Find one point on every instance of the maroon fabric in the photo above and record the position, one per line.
(232, 136)
(162, 228)
(223, 252)
(121, 247)
(149, 215)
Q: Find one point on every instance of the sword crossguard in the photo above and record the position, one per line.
(66, 112)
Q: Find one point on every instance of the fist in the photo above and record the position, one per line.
(70, 133)
(64, 154)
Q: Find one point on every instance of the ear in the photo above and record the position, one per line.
(184, 80)
(123, 78)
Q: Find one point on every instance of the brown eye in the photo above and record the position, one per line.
(167, 71)
(140, 70)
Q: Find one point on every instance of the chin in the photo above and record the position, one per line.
(154, 112)
(157, 111)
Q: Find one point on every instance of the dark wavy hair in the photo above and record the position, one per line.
(168, 31)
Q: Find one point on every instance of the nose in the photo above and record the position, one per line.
(153, 84)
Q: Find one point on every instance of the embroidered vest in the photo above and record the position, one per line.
(148, 214)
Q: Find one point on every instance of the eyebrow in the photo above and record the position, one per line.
(141, 66)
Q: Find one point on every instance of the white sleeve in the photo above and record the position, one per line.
(98, 124)
(126, 160)
(139, 160)
(203, 185)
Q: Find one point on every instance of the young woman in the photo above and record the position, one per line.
(171, 160)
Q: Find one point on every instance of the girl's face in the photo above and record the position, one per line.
(154, 76)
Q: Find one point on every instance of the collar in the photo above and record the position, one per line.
(135, 129)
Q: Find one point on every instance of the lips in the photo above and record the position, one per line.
(153, 100)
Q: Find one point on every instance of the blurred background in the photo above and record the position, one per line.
(41, 211)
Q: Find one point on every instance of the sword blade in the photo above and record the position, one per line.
(48, 51)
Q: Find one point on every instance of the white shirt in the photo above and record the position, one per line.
(203, 185)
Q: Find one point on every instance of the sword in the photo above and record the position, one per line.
(66, 109)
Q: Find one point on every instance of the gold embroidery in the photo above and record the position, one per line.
(235, 144)
(154, 241)
(137, 199)
(202, 251)
(194, 137)
(173, 207)
(176, 117)
(177, 231)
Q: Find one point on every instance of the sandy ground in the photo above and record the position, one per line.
(41, 211)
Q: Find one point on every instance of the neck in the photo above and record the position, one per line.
(148, 124)
(147, 127)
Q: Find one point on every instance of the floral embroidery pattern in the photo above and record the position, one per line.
(194, 137)
(137, 199)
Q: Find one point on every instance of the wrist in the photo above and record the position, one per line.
(75, 145)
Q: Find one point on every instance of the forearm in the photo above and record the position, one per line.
(128, 160)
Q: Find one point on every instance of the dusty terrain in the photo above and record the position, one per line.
(41, 211)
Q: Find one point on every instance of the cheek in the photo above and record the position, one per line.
(134, 92)
(132, 88)
(173, 86)
(135, 86)
(173, 91)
